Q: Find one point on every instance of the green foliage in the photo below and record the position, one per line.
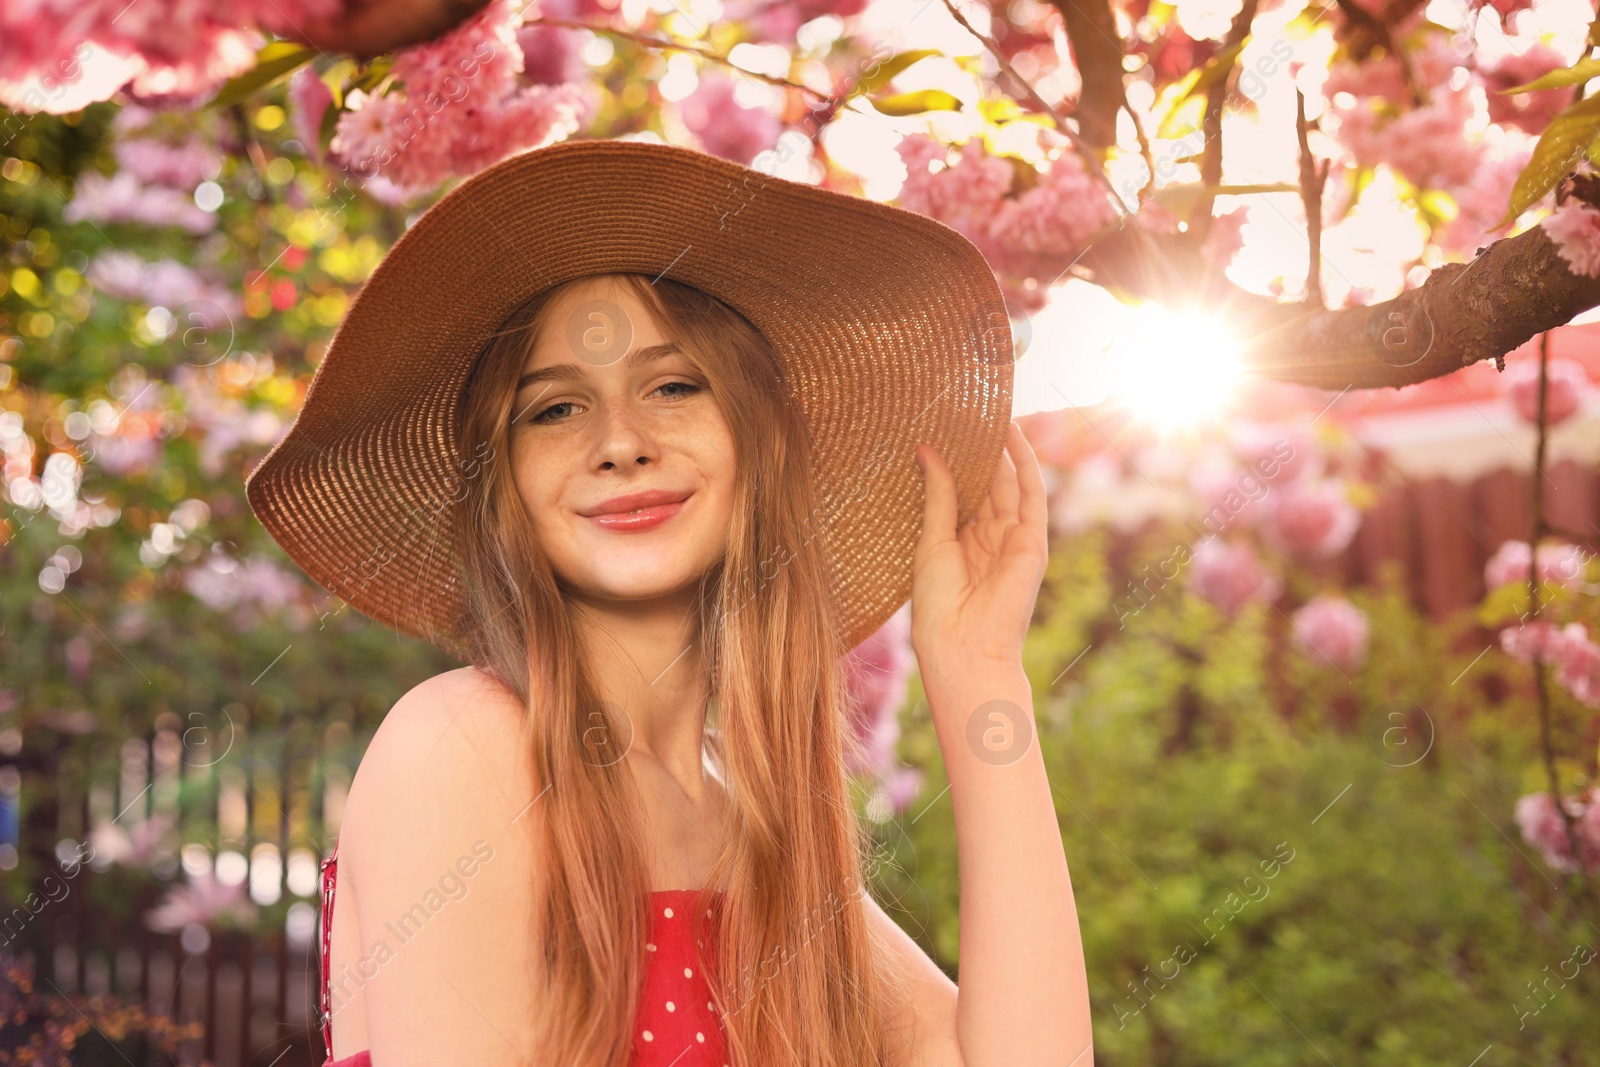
(1299, 875)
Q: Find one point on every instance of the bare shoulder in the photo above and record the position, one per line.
(453, 741)
(436, 842)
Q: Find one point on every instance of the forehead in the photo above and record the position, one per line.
(595, 321)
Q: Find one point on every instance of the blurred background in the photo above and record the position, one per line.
(1312, 667)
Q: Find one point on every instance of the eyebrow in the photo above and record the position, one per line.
(569, 371)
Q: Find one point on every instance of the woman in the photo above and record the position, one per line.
(623, 835)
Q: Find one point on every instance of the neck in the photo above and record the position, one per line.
(646, 663)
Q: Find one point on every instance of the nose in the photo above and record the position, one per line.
(624, 440)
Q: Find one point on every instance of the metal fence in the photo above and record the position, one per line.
(180, 870)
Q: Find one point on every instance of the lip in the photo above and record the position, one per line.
(633, 501)
(637, 511)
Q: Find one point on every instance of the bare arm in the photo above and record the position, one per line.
(434, 845)
(1023, 997)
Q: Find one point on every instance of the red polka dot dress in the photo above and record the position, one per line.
(677, 1026)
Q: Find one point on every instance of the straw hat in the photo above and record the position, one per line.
(889, 328)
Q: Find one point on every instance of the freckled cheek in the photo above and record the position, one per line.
(539, 491)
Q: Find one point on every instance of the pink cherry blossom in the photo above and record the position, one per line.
(1333, 630)
(182, 166)
(1577, 662)
(463, 109)
(1574, 227)
(1481, 204)
(251, 590)
(164, 281)
(1558, 562)
(1526, 111)
(1529, 642)
(1508, 10)
(1225, 237)
(1432, 59)
(309, 100)
(1229, 575)
(1542, 827)
(135, 844)
(1565, 388)
(1312, 519)
(876, 674)
(1279, 452)
(58, 56)
(778, 20)
(902, 786)
(123, 198)
(724, 126)
(125, 454)
(1027, 235)
(201, 901)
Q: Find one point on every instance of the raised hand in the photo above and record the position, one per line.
(973, 590)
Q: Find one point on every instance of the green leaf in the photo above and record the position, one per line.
(1580, 72)
(886, 71)
(998, 110)
(1182, 119)
(275, 60)
(1216, 69)
(370, 78)
(1505, 604)
(916, 103)
(330, 119)
(1569, 136)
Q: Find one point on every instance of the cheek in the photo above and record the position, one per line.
(531, 475)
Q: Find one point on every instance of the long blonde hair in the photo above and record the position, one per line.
(799, 976)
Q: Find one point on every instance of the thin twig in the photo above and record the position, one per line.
(682, 46)
(1312, 179)
(1216, 96)
(1541, 684)
(1085, 152)
(1144, 153)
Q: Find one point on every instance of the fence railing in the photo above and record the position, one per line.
(180, 870)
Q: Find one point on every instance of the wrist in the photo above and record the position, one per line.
(969, 672)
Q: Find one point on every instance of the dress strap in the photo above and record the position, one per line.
(330, 872)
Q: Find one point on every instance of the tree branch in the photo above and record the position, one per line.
(1097, 52)
(1312, 180)
(1216, 95)
(1516, 288)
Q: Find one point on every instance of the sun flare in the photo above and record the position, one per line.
(1175, 369)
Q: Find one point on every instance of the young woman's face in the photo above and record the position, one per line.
(606, 410)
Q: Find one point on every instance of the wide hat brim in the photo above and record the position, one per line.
(890, 329)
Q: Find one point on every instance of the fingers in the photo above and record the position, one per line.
(939, 496)
(1031, 508)
(1004, 492)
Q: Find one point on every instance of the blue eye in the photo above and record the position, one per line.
(540, 416)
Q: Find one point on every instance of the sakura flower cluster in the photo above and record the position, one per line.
(463, 108)
(58, 56)
(1542, 827)
(1030, 227)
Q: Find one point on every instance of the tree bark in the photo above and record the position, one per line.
(1514, 290)
(1097, 52)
